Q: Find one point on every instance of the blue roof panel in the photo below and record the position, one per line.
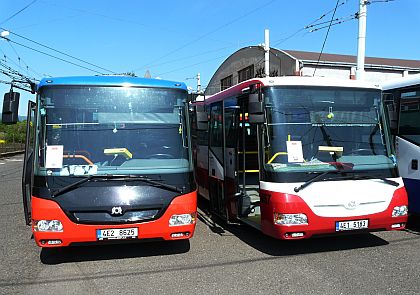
(111, 81)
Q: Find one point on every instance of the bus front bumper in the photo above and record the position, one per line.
(74, 233)
(321, 225)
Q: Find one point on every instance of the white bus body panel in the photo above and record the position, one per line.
(406, 152)
(345, 198)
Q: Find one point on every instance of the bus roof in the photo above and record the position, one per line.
(292, 81)
(126, 81)
(401, 82)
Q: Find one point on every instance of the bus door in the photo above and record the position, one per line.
(408, 145)
(248, 167)
(231, 126)
(27, 175)
(216, 160)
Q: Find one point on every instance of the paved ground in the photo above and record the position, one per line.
(219, 259)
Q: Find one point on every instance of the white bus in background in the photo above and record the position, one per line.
(402, 99)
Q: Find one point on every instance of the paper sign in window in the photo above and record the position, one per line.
(294, 151)
(54, 157)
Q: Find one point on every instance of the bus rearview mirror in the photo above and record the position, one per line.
(10, 108)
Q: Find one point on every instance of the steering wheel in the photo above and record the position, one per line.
(160, 156)
(361, 152)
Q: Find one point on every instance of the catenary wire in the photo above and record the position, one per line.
(56, 57)
(18, 12)
(326, 37)
(207, 34)
(60, 52)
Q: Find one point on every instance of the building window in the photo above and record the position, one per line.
(246, 73)
(227, 82)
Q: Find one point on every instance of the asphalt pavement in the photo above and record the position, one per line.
(219, 259)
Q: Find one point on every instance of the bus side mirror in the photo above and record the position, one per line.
(10, 108)
(255, 108)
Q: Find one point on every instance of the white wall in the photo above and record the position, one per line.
(374, 76)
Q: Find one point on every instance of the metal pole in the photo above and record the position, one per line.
(198, 83)
(267, 53)
(361, 48)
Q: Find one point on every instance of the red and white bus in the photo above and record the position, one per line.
(298, 157)
(108, 158)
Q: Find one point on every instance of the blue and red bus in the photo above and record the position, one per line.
(402, 99)
(108, 158)
(297, 157)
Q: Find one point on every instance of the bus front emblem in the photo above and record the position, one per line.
(351, 205)
(116, 211)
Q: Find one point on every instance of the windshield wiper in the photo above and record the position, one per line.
(356, 176)
(313, 179)
(149, 180)
(129, 177)
(72, 186)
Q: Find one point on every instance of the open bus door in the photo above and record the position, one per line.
(216, 161)
(241, 169)
(27, 175)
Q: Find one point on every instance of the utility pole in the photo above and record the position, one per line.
(361, 48)
(267, 53)
(198, 83)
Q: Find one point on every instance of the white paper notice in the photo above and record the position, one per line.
(294, 151)
(54, 156)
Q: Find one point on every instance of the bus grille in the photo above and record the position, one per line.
(107, 218)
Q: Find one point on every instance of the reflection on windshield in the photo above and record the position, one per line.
(107, 130)
(316, 129)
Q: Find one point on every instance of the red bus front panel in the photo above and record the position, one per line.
(286, 203)
(72, 232)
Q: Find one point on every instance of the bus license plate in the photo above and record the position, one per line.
(117, 233)
(351, 225)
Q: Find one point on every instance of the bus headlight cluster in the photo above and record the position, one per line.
(290, 219)
(400, 211)
(48, 225)
(182, 219)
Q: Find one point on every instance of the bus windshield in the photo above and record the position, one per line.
(316, 129)
(88, 130)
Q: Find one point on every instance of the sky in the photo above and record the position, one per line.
(176, 40)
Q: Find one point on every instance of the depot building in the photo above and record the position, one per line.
(248, 63)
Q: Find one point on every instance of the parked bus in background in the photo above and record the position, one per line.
(402, 99)
(107, 158)
(298, 157)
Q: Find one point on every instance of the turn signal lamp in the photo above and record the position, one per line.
(290, 219)
(182, 219)
(48, 225)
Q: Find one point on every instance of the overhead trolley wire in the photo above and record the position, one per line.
(326, 37)
(335, 23)
(56, 57)
(275, 43)
(206, 34)
(58, 51)
(15, 14)
(20, 60)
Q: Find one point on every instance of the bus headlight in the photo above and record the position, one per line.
(182, 219)
(400, 211)
(48, 225)
(290, 219)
